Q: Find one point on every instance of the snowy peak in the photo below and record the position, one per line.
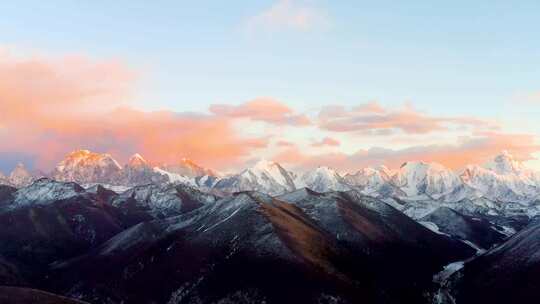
(265, 176)
(20, 176)
(421, 178)
(322, 179)
(45, 190)
(504, 163)
(187, 167)
(86, 167)
(369, 177)
(85, 158)
(503, 179)
(4, 180)
(270, 170)
(136, 160)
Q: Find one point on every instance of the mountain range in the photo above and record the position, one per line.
(95, 231)
(501, 180)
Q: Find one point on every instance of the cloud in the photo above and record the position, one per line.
(289, 15)
(468, 150)
(262, 109)
(284, 143)
(51, 106)
(374, 119)
(38, 88)
(527, 98)
(327, 141)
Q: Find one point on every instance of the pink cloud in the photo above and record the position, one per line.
(468, 150)
(262, 109)
(373, 119)
(50, 107)
(289, 15)
(284, 143)
(327, 141)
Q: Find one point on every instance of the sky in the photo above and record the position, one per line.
(346, 84)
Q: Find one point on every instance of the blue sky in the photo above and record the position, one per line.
(455, 58)
(475, 55)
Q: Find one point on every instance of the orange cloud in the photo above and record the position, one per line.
(327, 141)
(50, 107)
(373, 119)
(262, 109)
(469, 150)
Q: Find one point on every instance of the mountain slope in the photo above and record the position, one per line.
(162, 201)
(21, 295)
(508, 273)
(478, 231)
(279, 252)
(276, 253)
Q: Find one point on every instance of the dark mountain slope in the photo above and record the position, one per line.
(19, 295)
(477, 230)
(508, 273)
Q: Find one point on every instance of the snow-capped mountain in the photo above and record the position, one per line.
(322, 179)
(374, 181)
(90, 168)
(425, 179)
(138, 171)
(265, 176)
(186, 167)
(4, 180)
(45, 190)
(163, 200)
(85, 167)
(503, 179)
(20, 176)
(369, 178)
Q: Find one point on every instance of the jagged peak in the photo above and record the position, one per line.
(416, 164)
(19, 169)
(137, 160)
(325, 169)
(189, 162)
(20, 165)
(264, 164)
(81, 155)
(504, 163)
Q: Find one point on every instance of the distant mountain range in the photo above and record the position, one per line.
(501, 180)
